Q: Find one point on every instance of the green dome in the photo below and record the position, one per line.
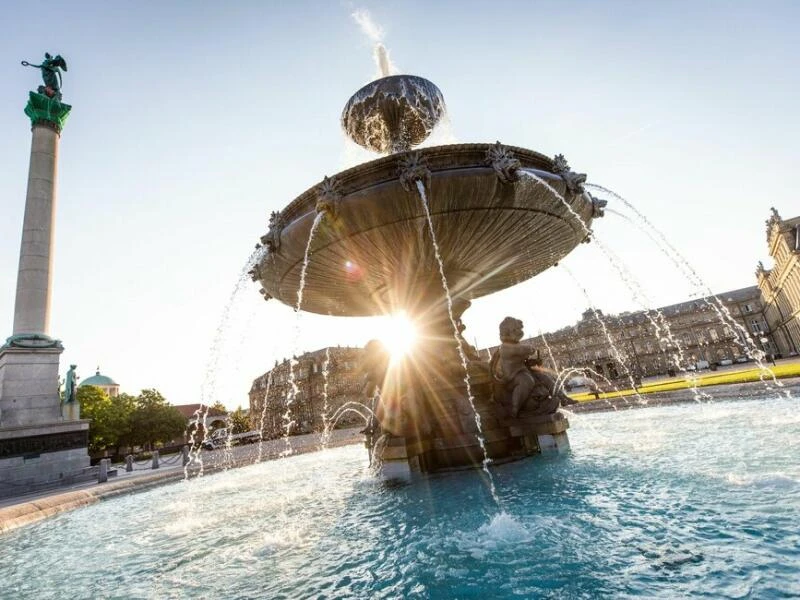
(98, 379)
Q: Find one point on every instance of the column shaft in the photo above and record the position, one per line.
(35, 275)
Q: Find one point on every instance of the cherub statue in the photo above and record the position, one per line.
(512, 365)
(51, 74)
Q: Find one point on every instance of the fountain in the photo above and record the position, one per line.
(427, 231)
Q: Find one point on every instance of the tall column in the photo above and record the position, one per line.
(39, 442)
(35, 275)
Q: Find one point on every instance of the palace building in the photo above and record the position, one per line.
(688, 335)
(780, 285)
(324, 381)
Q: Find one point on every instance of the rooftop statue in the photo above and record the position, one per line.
(51, 74)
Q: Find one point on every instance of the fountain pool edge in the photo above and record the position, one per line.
(55, 502)
(18, 512)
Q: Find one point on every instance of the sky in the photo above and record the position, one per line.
(192, 121)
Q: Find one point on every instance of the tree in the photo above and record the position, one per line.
(122, 407)
(96, 406)
(154, 420)
(240, 421)
(110, 425)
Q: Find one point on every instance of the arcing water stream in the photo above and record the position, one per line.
(461, 354)
(293, 390)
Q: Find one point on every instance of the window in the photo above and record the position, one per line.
(757, 326)
(748, 308)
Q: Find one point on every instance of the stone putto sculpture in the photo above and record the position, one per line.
(526, 384)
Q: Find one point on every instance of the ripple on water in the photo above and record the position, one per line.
(665, 502)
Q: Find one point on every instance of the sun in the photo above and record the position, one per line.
(398, 334)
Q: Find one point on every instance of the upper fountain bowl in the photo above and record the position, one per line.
(393, 114)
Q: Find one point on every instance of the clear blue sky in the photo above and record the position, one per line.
(193, 120)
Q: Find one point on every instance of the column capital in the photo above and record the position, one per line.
(43, 110)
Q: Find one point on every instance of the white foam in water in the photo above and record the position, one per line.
(762, 480)
(503, 528)
(501, 533)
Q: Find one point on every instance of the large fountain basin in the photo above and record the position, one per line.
(373, 254)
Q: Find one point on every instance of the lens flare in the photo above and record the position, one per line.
(398, 334)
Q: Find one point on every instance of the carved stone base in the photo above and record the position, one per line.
(29, 385)
(33, 457)
(453, 442)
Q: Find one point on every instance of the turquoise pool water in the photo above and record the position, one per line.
(693, 500)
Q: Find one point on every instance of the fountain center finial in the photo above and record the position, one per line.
(393, 114)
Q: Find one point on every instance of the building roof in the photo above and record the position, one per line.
(99, 379)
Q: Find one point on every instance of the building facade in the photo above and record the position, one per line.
(325, 380)
(715, 330)
(780, 285)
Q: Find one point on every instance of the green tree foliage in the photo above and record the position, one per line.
(125, 420)
(240, 421)
(218, 408)
(96, 406)
(123, 407)
(154, 420)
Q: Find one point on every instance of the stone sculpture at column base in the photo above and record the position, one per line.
(42, 442)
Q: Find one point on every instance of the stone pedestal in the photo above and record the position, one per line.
(450, 439)
(38, 456)
(29, 386)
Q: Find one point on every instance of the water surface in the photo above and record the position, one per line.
(700, 500)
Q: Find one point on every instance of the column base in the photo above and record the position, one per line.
(29, 386)
(43, 455)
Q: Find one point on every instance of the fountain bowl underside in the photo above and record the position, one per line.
(373, 254)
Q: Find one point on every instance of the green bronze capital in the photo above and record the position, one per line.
(43, 110)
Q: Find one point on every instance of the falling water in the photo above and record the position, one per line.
(732, 327)
(461, 354)
(265, 401)
(660, 324)
(359, 408)
(291, 395)
(549, 351)
(326, 431)
(614, 350)
(208, 390)
(568, 372)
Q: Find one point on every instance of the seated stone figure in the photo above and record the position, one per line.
(527, 388)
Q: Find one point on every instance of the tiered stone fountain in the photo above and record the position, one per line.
(426, 232)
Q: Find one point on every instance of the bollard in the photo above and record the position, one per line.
(102, 473)
(155, 459)
(185, 451)
(129, 463)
